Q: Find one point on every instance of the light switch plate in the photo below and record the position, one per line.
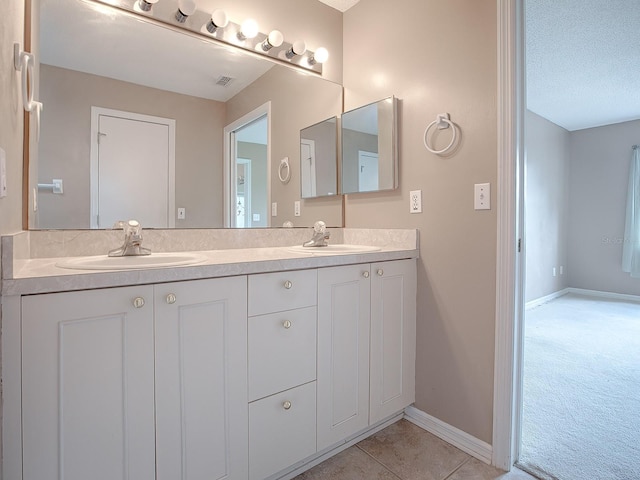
(182, 213)
(482, 196)
(296, 208)
(274, 209)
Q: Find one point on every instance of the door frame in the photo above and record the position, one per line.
(94, 181)
(229, 190)
(507, 393)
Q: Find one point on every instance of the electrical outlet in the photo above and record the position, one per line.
(415, 201)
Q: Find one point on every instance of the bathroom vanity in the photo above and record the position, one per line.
(256, 368)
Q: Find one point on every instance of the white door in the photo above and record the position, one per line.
(133, 170)
(87, 385)
(201, 379)
(367, 171)
(343, 352)
(393, 337)
(308, 167)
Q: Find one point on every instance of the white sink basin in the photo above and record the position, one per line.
(155, 260)
(336, 249)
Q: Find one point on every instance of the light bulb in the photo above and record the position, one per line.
(185, 8)
(320, 56)
(219, 19)
(298, 48)
(248, 29)
(145, 5)
(274, 39)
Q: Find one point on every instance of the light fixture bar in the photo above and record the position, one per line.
(216, 27)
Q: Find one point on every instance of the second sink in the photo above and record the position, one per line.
(335, 249)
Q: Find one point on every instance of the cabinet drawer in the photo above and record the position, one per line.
(273, 292)
(282, 351)
(281, 436)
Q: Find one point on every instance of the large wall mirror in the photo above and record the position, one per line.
(134, 114)
(369, 147)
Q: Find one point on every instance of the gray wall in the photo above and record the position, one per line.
(547, 153)
(456, 270)
(600, 159)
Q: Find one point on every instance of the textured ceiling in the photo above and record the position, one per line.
(342, 5)
(583, 61)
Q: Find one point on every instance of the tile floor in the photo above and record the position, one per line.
(404, 451)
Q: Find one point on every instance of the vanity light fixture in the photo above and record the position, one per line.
(298, 48)
(248, 29)
(185, 8)
(274, 39)
(218, 20)
(321, 55)
(145, 5)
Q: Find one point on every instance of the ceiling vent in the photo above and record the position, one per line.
(224, 81)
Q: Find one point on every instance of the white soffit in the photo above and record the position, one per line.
(342, 5)
(583, 61)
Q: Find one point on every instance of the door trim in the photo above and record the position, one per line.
(229, 153)
(93, 165)
(510, 228)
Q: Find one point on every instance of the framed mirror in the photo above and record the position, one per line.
(103, 71)
(370, 147)
(319, 159)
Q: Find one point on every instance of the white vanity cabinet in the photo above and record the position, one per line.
(366, 346)
(282, 370)
(136, 382)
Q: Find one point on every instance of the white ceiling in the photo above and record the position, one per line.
(583, 61)
(342, 5)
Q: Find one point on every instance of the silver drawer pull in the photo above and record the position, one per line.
(138, 302)
(365, 274)
(286, 405)
(171, 298)
(288, 284)
(286, 324)
(380, 272)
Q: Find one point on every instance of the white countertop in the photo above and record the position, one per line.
(41, 275)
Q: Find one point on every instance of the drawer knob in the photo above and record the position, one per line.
(365, 274)
(380, 272)
(286, 324)
(288, 284)
(286, 405)
(138, 302)
(171, 298)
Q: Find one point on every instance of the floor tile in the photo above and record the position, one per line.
(351, 464)
(413, 453)
(474, 469)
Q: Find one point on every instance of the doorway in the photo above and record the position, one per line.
(132, 169)
(247, 165)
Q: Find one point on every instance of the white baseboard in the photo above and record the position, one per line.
(456, 437)
(547, 298)
(598, 293)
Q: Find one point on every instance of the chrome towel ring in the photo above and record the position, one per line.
(284, 165)
(442, 121)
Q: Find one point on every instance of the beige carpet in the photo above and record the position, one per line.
(581, 413)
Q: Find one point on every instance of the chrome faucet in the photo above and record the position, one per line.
(132, 240)
(320, 236)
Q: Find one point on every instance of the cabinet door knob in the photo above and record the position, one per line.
(171, 298)
(288, 284)
(365, 274)
(380, 272)
(286, 324)
(286, 405)
(138, 302)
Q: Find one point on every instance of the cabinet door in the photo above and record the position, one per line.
(87, 385)
(343, 352)
(201, 379)
(393, 341)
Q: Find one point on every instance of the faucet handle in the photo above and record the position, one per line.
(119, 224)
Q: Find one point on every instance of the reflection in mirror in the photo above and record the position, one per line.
(139, 68)
(369, 147)
(319, 159)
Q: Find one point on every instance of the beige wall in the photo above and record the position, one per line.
(65, 145)
(547, 154)
(324, 100)
(438, 56)
(600, 159)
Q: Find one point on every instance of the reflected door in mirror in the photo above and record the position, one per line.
(319, 159)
